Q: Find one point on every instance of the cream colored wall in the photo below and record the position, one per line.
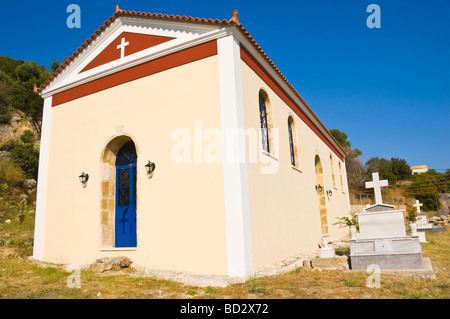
(284, 206)
(179, 226)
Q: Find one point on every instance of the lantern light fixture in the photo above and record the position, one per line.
(150, 168)
(83, 179)
(319, 188)
(329, 193)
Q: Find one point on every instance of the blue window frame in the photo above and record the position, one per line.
(291, 141)
(263, 120)
(125, 214)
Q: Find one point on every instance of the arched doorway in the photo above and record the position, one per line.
(321, 196)
(118, 189)
(125, 208)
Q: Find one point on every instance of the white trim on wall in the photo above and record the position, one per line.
(41, 197)
(236, 191)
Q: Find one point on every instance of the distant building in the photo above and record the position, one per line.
(419, 169)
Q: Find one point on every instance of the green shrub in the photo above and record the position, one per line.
(10, 174)
(5, 115)
(27, 137)
(192, 292)
(210, 290)
(27, 158)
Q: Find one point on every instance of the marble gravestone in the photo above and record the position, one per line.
(383, 240)
(422, 222)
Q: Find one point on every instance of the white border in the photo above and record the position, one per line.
(235, 175)
(41, 197)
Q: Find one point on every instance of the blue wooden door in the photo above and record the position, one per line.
(125, 220)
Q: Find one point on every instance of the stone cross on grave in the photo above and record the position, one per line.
(122, 46)
(376, 184)
(417, 205)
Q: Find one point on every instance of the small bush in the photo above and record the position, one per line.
(210, 290)
(27, 158)
(10, 174)
(258, 286)
(5, 116)
(350, 282)
(27, 137)
(192, 292)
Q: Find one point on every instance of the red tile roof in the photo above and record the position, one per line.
(232, 22)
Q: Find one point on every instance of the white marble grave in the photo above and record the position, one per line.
(383, 240)
(422, 222)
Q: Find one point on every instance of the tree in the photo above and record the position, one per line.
(55, 64)
(380, 165)
(393, 170)
(341, 138)
(400, 168)
(356, 175)
(8, 65)
(354, 168)
(424, 188)
(5, 98)
(23, 97)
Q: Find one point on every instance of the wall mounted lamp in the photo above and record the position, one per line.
(329, 193)
(319, 188)
(150, 168)
(83, 179)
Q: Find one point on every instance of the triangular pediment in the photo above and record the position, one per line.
(142, 39)
(126, 44)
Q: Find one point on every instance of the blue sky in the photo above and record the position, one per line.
(387, 88)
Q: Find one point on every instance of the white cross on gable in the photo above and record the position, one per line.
(122, 46)
(417, 205)
(376, 184)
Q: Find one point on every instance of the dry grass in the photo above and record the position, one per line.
(22, 279)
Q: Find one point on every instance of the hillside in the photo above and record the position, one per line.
(20, 125)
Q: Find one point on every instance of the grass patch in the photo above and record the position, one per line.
(22, 279)
(260, 286)
(210, 290)
(192, 292)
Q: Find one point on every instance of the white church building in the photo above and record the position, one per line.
(176, 141)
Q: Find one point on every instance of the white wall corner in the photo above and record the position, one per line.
(41, 197)
(236, 191)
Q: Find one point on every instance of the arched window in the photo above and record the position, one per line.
(265, 116)
(340, 173)
(321, 195)
(293, 142)
(332, 171)
(125, 223)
